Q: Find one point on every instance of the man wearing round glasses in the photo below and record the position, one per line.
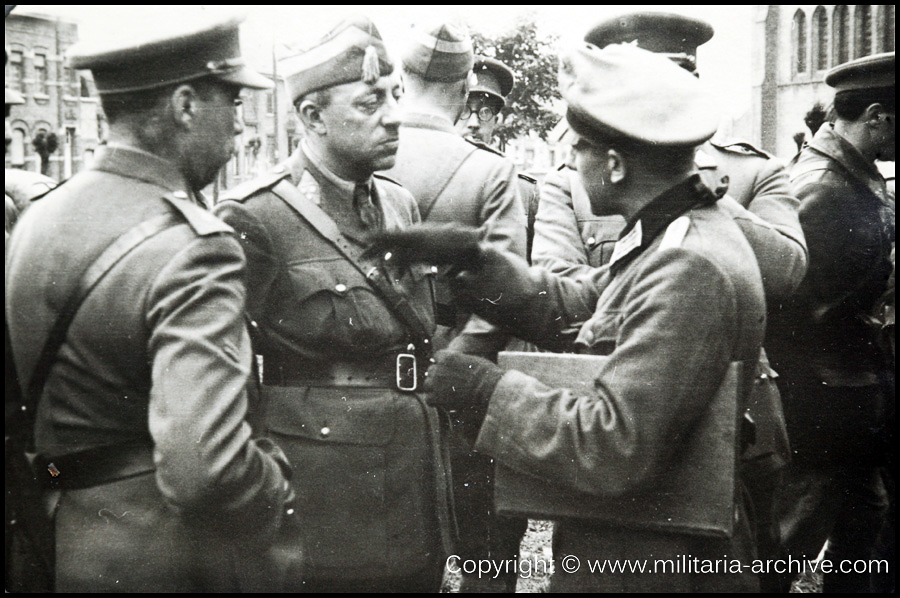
(486, 99)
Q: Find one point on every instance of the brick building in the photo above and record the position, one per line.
(794, 46)
(59, 102)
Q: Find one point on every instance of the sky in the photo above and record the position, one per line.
(724, 62)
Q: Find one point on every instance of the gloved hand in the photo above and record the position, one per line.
(447, 243)
(457, 381)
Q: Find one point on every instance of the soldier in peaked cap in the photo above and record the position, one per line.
(494, 81)
(571, 240)
(345, 333)
(158, 485)
(834, 378)
(463, 182)
(679, 306)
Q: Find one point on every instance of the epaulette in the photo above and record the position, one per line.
(203, 222)
(378, 175)
(528, 178)
(484, 146)
(740, 147)
(249, 188)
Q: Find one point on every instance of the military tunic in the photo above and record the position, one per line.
(674, 310)
(834, 370)
(154, 365)
(368, 469)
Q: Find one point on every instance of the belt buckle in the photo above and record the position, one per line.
(406, 369)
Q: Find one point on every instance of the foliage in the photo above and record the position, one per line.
(529, 105)
(45, 144)
(815, 118)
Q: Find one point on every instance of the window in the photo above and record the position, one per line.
(841, 27)
(40, 74)
(799, 35)
(16, 76)
(820, 39)
(72, 83)
(887, 34)
(862, 42)
(17, 148)
(270, 103)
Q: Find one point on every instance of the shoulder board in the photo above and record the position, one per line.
(204, 223)
(740, 147)
(528, 178)
(248, 188)
(378, 175)
(675, 233)
(484, 146)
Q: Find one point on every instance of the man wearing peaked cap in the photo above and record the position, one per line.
(345, 333)
(569, 239)
(494, 81)
(836, 378)
(677, 312)
(460, 182)
(158, 485)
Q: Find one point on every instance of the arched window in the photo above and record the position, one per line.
(887, 33)
(820, 39)
(840, 23)
(17, 148)
(862, 41)
(799, 34)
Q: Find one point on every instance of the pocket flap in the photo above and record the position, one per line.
(360, 416)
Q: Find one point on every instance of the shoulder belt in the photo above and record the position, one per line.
(89, 279)
(378, 175)
(322, 222)
(531, 208)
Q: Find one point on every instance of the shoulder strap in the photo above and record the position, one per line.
(88, 280)
(322, 222)
(437, 183)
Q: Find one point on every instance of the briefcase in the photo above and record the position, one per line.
(697, 494)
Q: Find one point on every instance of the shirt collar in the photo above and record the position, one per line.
(656, 216)
(131, 162)
(341, 183)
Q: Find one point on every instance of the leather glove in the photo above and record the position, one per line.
(457, 381)
(447, 243)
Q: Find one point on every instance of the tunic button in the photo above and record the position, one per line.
(434, 269)
(325, 431)
(341, 288)
(180, 195)
(592, 241)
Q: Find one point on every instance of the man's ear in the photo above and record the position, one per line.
(876, 114)
(184, 105)
(311, 117)
(616, 164)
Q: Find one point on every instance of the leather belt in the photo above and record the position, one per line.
(399, 371)
(93, 467)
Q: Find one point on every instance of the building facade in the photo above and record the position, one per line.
(794, 46)
(60, 124)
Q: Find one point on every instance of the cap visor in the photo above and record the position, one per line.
(246, 77)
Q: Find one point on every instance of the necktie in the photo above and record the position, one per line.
(368, 212)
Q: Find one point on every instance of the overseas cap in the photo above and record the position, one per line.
(441, 53)
(675, 36)
(161, 54)
(352, 51)
(493, 77)
(869, 72)
(13, 97)
(626, 91)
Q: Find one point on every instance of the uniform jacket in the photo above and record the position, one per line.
(821, 338)
(368, 470)
(455, 180)
(157, 356)
(676, 309)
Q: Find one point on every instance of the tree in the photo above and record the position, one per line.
(529, 105)
(45, 144)
(815, 118)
